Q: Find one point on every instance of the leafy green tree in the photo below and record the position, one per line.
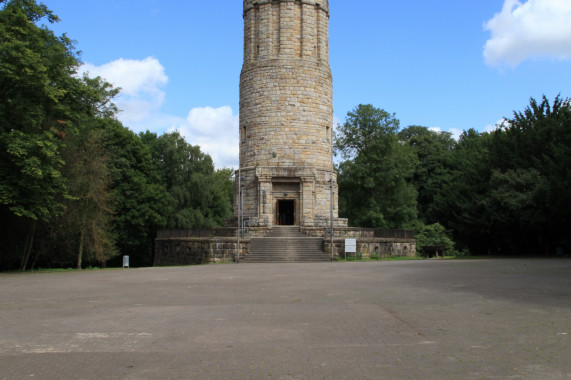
(32, 109)
(363, 125)
(461, 203)
(225, 183)
(532, 182)
(199, 196)
(517, 208)
(508, 192)
(41, 101)
(91, 208)
(434, 235)
(141, 202)
(433, 150)
(375, 186)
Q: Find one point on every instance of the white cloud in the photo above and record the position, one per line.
(215, 130)
(336, 122)
(454, 131)
(141, 83)
(498, 125)
(534, 29)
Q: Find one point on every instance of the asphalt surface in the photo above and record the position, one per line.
(481, 319)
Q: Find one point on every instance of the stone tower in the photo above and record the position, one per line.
(286, 115)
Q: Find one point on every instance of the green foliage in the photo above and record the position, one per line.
(199, 196)
(509, 191)
(532, 180)
(461, 202)
(375, 188)
(141, 202)
(90, 211)
(434, 151)
(43, 106)
(434, 235)
(32, 110)
(363, 125)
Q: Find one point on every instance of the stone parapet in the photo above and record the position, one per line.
(193, 251)
(367, 248)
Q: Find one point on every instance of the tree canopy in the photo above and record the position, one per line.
(78, 187)
(504, 192)
(375, 188)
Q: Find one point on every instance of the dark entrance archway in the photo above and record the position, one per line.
(286, 212)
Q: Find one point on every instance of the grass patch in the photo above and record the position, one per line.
(360, 259)
(407, 258)
(61, 270)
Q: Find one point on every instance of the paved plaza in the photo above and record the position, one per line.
(431, 319)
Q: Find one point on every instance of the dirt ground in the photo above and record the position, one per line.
(431, 319)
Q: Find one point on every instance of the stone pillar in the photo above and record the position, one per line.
(249, 34)
(287, 26)
(322, 35)
(265, 199)
(308, 200)
(265, 29)
(308, 30)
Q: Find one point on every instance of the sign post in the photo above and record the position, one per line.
(350, 247)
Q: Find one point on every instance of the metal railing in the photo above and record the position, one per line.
(394, 234)
(197, 233)
(353, 232)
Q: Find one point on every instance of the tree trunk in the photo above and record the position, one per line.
(80, 253)
(28, 247)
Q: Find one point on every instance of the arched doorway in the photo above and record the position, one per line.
(285, 212)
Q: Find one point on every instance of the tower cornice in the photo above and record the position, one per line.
(251, 4)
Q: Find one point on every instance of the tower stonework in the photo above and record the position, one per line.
(286, 115)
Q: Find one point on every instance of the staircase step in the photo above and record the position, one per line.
(286, 244)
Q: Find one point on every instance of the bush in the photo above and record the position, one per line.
(434, 235)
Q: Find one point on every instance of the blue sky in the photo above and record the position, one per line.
(449, 65)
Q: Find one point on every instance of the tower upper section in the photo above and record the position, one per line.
(323, 4)
(286, 29)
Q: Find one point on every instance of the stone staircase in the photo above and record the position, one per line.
(285, 244)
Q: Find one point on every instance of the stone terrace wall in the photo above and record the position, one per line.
(193, 251)
(383, 248)
(178, 247)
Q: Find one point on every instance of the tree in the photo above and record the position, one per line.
(532, 157)
(199, 196)
(91, 208)
(433, 150)
(375, 188)
(41, 101)
(141, 201)
(363, 125)
(508, 192)
(518, 209)
(461, 203)
(434, 235)
(32, 110)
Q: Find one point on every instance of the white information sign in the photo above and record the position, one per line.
(350, 245)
